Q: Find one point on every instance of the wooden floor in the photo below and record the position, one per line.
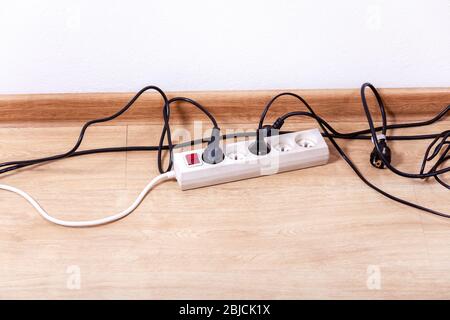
(314, 233)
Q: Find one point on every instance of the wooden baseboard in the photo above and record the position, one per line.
(227, 106)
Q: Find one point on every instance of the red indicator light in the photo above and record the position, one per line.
(192, 159)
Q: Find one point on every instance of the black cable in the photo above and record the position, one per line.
(348, 160)
(384, 193)
(13, 165)
(166, 129)
(355, 134)
(442, 158)
(134, 148)
(358, 134)
(381, 106)
(86, 126)
(269, 104)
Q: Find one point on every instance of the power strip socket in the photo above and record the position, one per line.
(290, 151)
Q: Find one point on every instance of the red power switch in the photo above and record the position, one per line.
(192, 159)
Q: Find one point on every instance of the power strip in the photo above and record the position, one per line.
(291, 151)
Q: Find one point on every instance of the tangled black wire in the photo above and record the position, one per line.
(441, 148)
(437, 151)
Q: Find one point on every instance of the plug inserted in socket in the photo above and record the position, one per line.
(213, 154)
(291, 151)
(260, 146)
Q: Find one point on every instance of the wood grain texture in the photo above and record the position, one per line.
(228, 107)
(314, 233)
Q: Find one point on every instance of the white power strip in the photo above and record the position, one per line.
(291, 151)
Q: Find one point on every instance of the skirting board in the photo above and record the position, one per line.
(226, 106)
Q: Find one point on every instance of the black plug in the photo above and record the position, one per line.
(375, 158)
(213, 154)
(260, 147)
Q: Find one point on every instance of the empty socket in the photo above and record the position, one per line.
(283, 147)
(236, 156)
(305, 142)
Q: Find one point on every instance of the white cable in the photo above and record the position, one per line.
(91, 223)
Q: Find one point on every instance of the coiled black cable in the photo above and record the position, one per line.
(382, 108)
(331, 136)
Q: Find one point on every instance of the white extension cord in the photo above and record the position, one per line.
(91, 223)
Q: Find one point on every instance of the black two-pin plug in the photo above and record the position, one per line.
(259, 147)
(213, 153)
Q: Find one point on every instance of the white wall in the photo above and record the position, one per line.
(107, 45)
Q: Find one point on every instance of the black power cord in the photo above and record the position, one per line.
(167, 133)
(20, 164)
(326, 128)
(13, 165)
(444, 135)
